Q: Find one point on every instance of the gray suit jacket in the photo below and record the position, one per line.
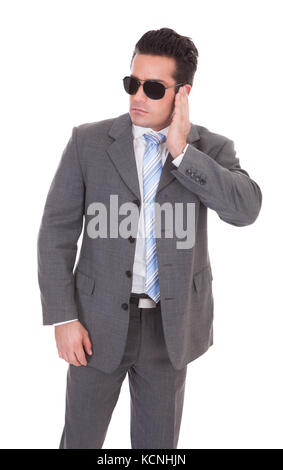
(98, 161)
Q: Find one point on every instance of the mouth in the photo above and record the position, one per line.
(139, 110)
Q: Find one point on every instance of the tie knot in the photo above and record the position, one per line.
(156, 138)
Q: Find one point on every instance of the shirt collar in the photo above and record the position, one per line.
(138, 131)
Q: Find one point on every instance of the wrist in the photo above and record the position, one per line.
(178, 150)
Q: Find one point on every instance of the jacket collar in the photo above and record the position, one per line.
(121, 152)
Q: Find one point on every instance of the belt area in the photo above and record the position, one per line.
(143, 300)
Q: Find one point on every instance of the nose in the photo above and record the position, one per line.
(140, 94)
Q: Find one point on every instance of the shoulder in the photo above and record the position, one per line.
(211, 142)
(93, 133)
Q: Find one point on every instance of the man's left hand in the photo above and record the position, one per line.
(180, 125)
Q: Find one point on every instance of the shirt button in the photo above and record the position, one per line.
(131, 239)
(129, 273)
(125, 306)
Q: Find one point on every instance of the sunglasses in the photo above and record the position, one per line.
(152, 88)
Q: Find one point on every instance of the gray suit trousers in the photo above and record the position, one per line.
(156, 391)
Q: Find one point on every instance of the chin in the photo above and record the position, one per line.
(138, 120)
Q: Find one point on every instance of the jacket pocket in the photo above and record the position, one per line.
(84, 282)
(202, 278)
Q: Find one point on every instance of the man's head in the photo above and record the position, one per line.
(165, 56)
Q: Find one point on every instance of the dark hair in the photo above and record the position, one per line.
(166, 42)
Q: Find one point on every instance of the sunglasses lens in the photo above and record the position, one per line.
(130, 85)
(154, 90)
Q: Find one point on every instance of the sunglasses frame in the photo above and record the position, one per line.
(152, 81)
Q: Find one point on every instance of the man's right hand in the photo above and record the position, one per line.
(71, 339)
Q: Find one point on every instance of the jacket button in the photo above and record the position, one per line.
(129, 273)
(197, 178)
(202, 181)
(188, 171)
(137, 202)
(125, 306)
(131, 239)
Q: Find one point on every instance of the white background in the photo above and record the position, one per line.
(62, 64)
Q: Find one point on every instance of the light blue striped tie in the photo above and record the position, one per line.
(152, 169)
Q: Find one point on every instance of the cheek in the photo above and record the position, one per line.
(166, 106)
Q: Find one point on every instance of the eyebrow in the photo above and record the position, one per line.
(156, 79)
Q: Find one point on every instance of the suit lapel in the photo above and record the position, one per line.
(121, 152)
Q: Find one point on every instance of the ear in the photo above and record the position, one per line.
(188, 89)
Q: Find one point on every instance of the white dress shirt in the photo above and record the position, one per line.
(139, 266)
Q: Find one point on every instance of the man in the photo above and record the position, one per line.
(141, 304)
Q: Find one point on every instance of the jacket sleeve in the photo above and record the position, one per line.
(221, 184)
(60, 228)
